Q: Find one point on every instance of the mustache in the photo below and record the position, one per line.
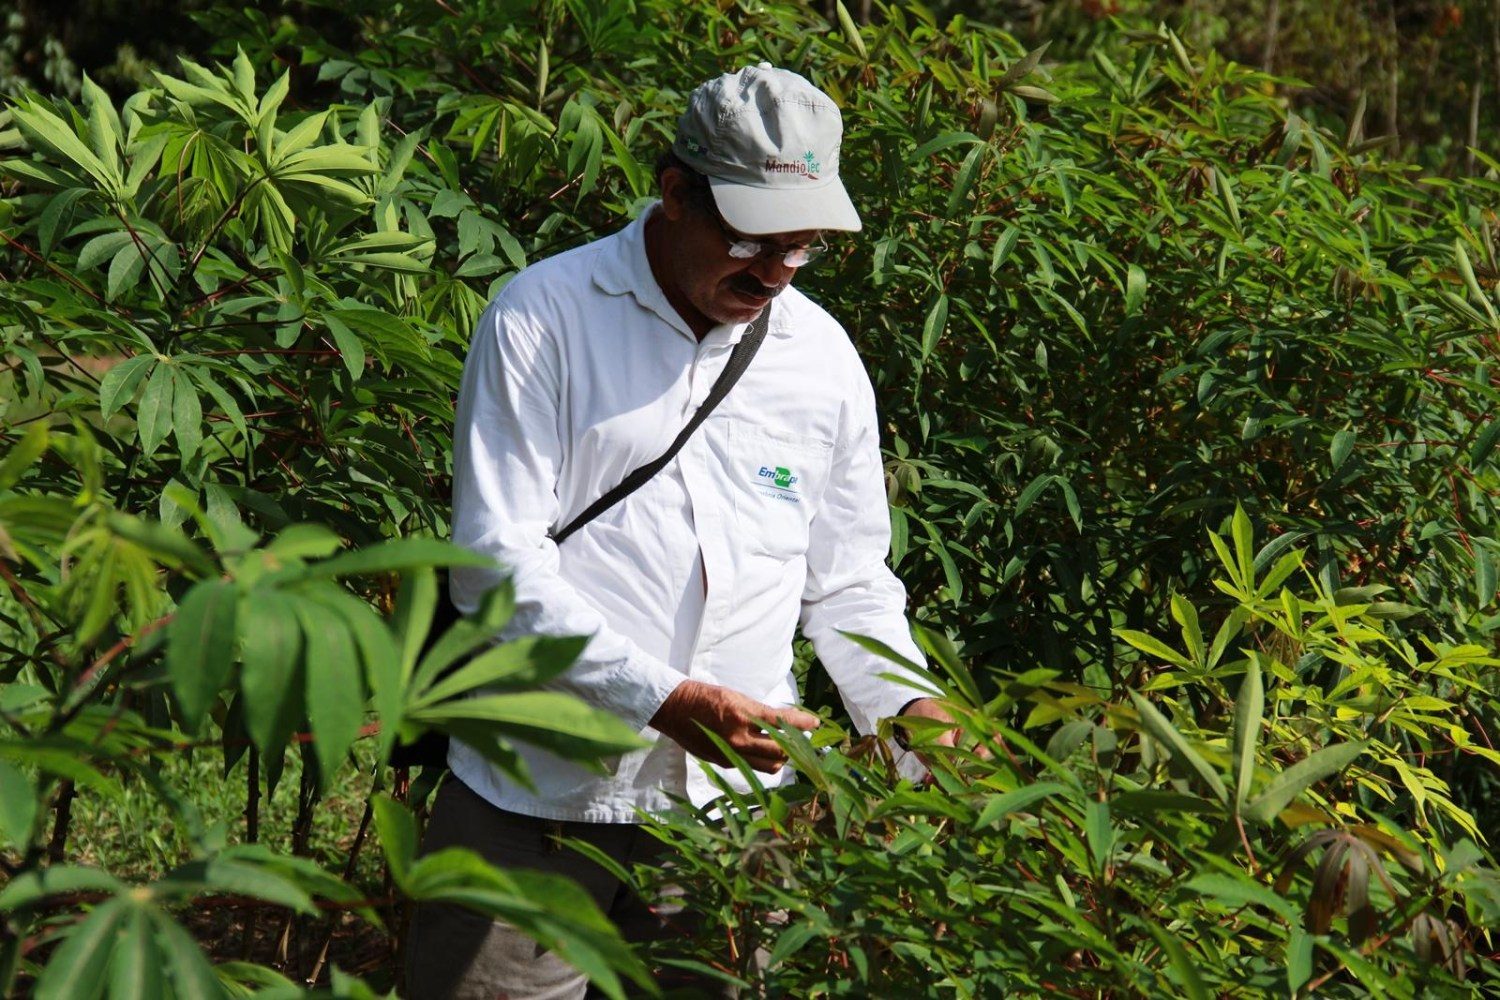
(751, 286)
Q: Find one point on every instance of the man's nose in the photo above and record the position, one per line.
(771, 271)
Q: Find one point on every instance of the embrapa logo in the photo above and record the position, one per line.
(808, 166)
(778, 481)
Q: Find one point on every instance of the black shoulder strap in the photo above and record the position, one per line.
(739, 360)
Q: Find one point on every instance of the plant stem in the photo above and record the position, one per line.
(56, 849)
(333, 920)
(252, 836)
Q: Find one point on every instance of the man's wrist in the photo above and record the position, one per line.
(899, 732)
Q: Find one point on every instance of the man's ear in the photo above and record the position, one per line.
(674, 193)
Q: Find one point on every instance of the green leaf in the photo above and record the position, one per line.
(1039, 95)
(270, 651)
(304, 541)
(415, 603)
(274, 95)
(64, 758)
(378, 654)
(1030, 493)
(47, 131)
(135, 970)
(519, 664)
(335, 696)
(479, 265)
(551, 720)
(963, 183)
(1165, 733)
(1152, 802)
(187, 414)
(119, 383)
(468, 634)
(124, 270)
(23, 454)
(1299, 959)
(300, 136)
(18, 807)
(1231, 204)
(1022, 67)
(1466, 270)
(221, 396)
(1244, 544)
(1239, 891)
(1184, 972)
(789, 941)
(1301, 776)
(934, 325)
(38, 884)
(188, 968)
(1340, 447)
(400, 555)
(238, 876)
(1228, 630)
(166, 545)
(1153, 647)
(1180, 52)
(1484, 577)
(200, 648)
(400, 262)
(1192, 633)
(101, 248)
(57, 215)
(244, 76)
(1003, 247)
(77, 968)
(1135, 290)
(1099, 832)
(1249, 708)
(938, 143)
(1484, 445)
(154, 416)
(999, 806)
(397, 829)
(350, 349)
(851, 31)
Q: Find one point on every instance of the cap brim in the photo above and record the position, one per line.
(759, 211)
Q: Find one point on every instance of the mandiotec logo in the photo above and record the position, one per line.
(808, 166)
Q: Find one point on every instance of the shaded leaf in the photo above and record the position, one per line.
(200, 648)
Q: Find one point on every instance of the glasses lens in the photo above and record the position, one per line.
(743, 249)
(802, 256)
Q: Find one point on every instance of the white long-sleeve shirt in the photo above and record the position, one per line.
(772, 516)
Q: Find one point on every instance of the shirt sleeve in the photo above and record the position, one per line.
(507, 450)
(849, 586)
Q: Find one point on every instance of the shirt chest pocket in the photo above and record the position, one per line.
(777, 480)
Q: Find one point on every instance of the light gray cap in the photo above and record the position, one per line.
(769, 143)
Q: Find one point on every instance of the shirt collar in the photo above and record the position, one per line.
(623, 269)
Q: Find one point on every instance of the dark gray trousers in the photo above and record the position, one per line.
(456, 954)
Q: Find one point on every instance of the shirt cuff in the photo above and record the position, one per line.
(637, 692)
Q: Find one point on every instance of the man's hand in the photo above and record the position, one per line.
(734, 717)
(931, 708)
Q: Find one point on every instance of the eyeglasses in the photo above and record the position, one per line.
(742, 247)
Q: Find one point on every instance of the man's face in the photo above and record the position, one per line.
(697, 271)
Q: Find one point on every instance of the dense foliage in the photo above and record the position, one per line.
(1128, 854)
(1103, 300)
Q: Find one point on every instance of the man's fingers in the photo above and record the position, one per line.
(766, 765)
(759, 746)
(794, 717)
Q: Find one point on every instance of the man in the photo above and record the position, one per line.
(773, 515)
